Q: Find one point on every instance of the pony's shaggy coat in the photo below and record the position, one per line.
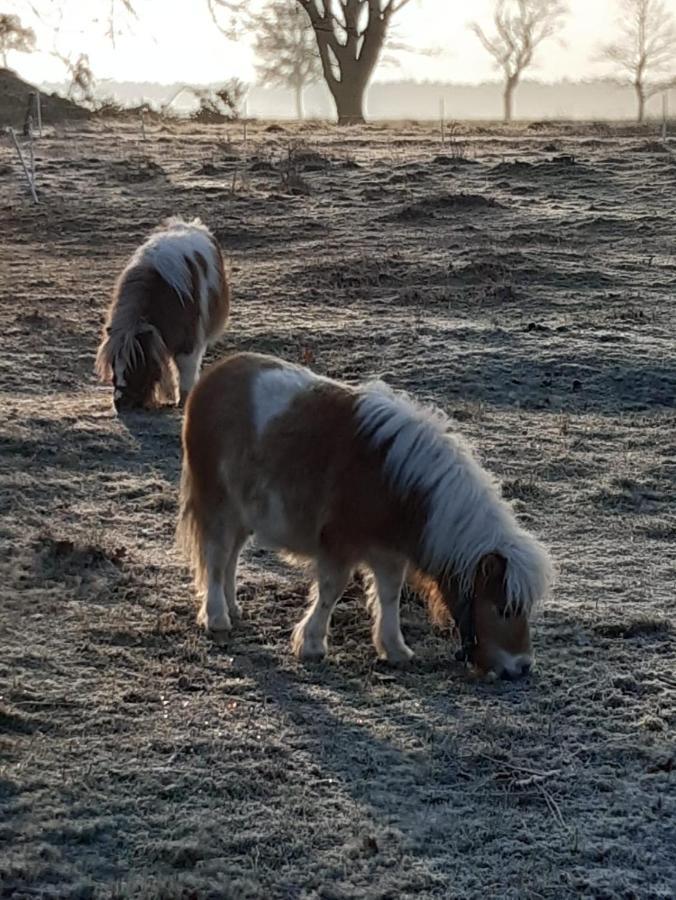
(348, 477)
(170, 302)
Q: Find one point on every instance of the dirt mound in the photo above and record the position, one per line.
(14, 94)
(135, 169)
(445, 205)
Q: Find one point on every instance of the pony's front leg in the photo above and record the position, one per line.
(388, 640)
(188, 365)
(309, 639)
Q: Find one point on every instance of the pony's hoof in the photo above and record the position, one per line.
(398, 656)
(306, 648)
(235, 612)
(214, 626)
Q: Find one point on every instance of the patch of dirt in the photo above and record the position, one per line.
(139, 759)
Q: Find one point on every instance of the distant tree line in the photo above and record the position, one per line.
(297, 42)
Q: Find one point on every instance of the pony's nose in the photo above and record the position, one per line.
(519, 670)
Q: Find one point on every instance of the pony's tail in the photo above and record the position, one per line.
(190, 534)
(157, 349)
(103, 365)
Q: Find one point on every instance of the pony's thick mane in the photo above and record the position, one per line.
(466, 516)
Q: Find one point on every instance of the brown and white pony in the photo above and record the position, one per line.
(349, 477)
(171, 301)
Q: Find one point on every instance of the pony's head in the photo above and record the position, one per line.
(134, 363)
(494, 632)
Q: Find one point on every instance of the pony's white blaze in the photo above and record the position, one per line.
(273, 390)
(466, 516)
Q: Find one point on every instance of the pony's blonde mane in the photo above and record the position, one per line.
(467, 518)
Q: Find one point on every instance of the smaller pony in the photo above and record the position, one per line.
(351, 477)
(171, 301)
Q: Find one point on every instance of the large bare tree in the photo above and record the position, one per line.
(350, 36)
(286, 48)
(14, 36)
(645, 52)
(520, 26)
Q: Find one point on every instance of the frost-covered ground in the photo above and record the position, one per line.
(524, 280)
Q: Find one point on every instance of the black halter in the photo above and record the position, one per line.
(465, 624)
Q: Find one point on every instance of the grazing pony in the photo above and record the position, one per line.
(350, 477)
(170, 302)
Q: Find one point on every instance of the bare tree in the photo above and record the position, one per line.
(520, 27)
(646, 48)
(14, 36)
(350, 36)
(286, 48)
(82, 81)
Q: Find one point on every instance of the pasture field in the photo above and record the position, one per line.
(525, 281)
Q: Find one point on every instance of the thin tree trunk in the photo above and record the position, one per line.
(300, 114)
(4, 59)
(508, 98)
(640, 96)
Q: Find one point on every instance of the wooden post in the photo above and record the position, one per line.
(665, 114)
(31, 154)
(23, 164)
(442, 120)
(28, 118)
(38, 110)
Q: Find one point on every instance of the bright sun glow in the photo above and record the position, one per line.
(168, 43)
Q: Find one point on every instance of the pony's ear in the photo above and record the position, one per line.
(492, 565)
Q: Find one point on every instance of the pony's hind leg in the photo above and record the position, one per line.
(309, 639)
(213, 614)
(239, 536)
(188, 365)
(222, 543)
(388, 640)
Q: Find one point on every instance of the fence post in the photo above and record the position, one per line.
(38, 110)
(31, 185)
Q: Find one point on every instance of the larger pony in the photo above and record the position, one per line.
(350, 477)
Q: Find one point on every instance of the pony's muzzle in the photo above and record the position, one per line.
(517, 669)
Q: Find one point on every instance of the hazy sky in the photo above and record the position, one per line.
(168, 43)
